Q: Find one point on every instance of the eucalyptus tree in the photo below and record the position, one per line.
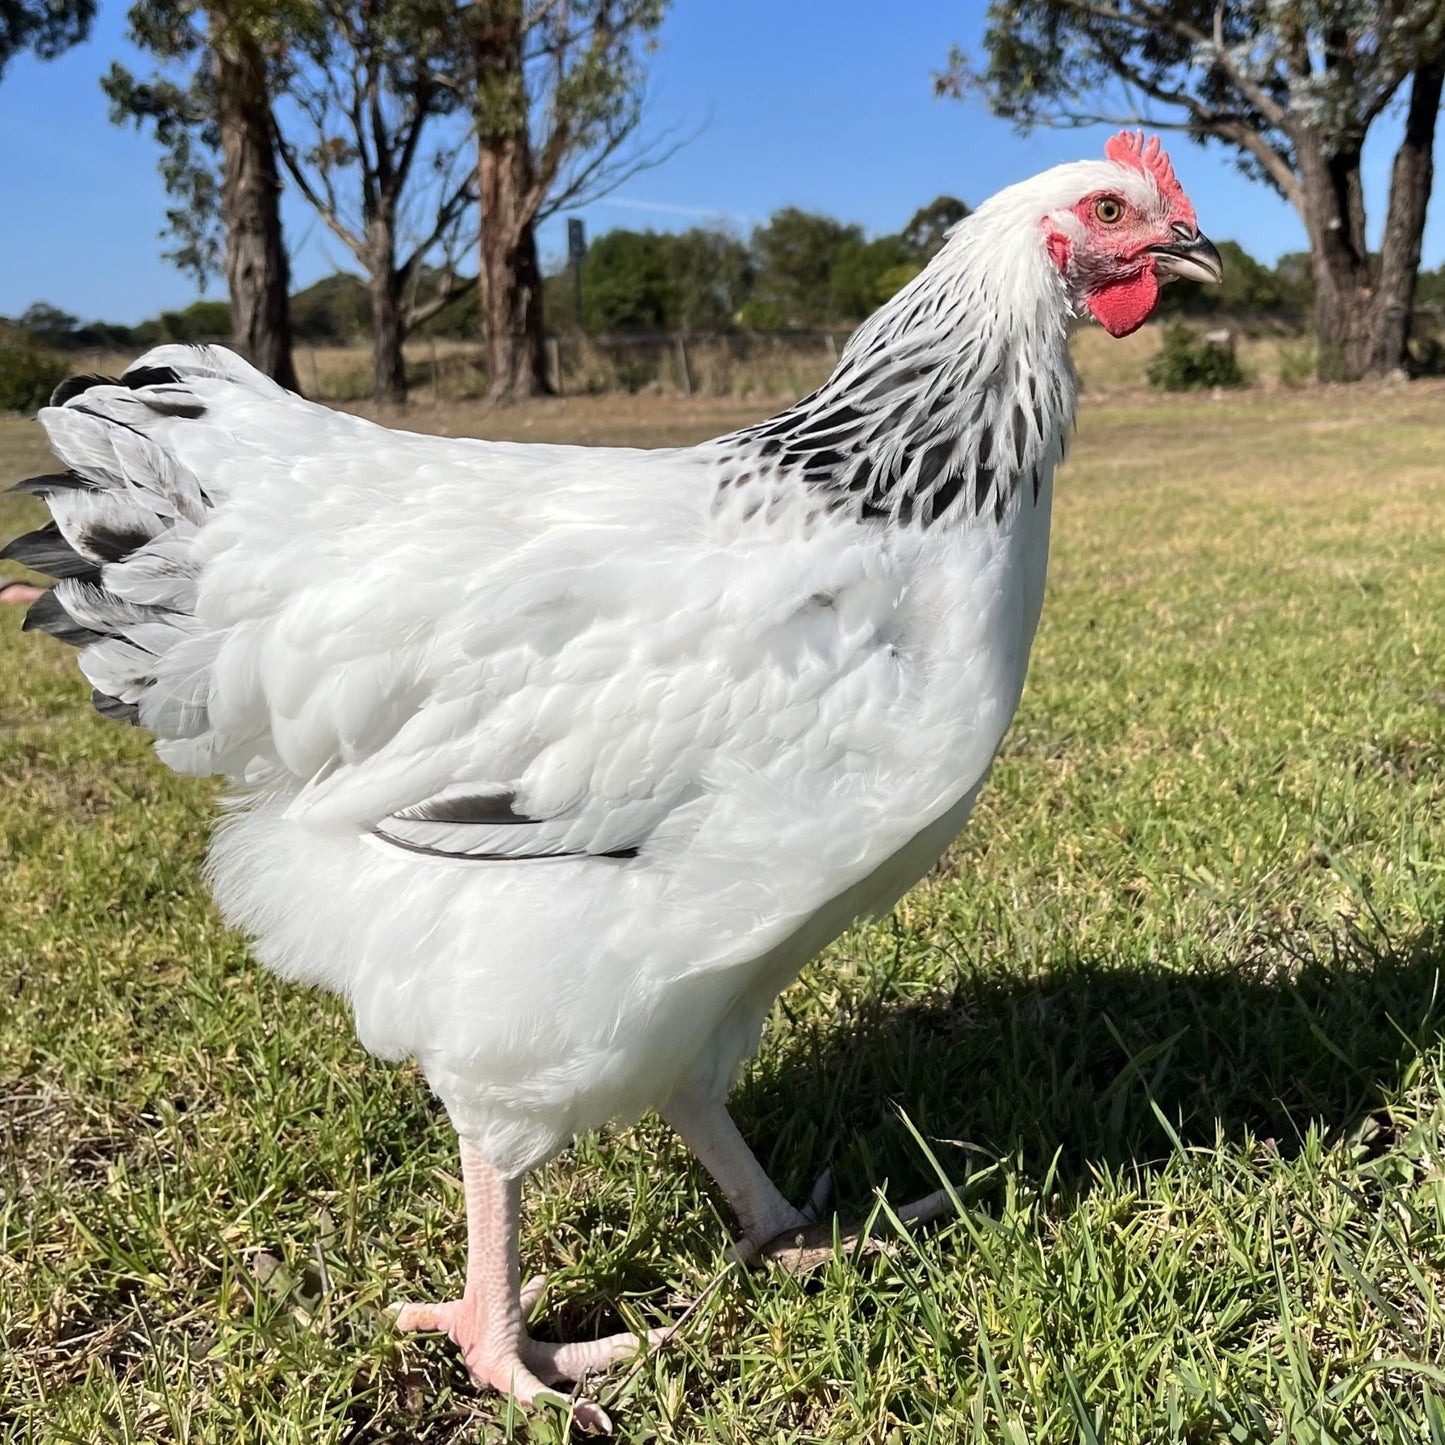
(557, 89)
(209, 106)
(43, 27)
(366, 93)
(1294, 87)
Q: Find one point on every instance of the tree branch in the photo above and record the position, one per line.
(323, 204)
(1205, 118)
(1159, 20)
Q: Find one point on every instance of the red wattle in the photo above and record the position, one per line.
(1124, 306)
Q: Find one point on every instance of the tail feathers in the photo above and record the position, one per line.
(48, 551)
(47, 615)
(178, 364)
(125, 516)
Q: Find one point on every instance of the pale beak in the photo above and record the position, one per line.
(1192, 256)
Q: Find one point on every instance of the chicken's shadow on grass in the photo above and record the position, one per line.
(1090, 1065)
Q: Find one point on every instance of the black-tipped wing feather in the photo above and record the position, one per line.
(486, 828)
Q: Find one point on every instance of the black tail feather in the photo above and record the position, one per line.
(139, 376)
(103, 520)
(74, 385)
(54, 482)
(47, 551)
(47, 615)
(113, 707)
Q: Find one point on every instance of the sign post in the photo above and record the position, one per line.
(576, 254)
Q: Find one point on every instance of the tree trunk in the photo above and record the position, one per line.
(1363, 309)
(1410, 182)
(388, 365)
(1334, 215)
(388, 317)
(509, 276)
(256, 266)
(511, 287)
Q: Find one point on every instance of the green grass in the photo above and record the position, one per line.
(1170, 1016)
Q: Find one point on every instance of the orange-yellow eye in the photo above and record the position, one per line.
(1109, 211)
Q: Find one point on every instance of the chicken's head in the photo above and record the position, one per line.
(1131, 231)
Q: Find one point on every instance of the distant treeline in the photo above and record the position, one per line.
(801, 270)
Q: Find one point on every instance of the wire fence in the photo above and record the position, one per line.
(659, 363)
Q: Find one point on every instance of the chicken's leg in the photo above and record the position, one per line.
(488, 1323)
(708, 1130)
(767, 1218)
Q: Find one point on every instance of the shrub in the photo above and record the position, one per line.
(1189, 362)
(28, 374)
(1298, 363)
(1426, 356)
(200, 321)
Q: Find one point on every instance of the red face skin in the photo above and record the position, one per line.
(1112, 269)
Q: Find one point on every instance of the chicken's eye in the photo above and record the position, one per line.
(1109, 211)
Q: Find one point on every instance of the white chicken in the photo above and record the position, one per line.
(559, 763)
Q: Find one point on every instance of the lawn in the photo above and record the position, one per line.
(1169, 1016)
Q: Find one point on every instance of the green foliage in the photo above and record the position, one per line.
(461, 317)
(28, 374)
(1187, 362)
(865, 274)
(200, 321)
(1249, 288)
(806, 270)
(1295, 277)
(1298, 363)
(928, 227)
(712, 275)
(60, 331)
(177, 103)
(1430, 288)
(688, 281)
(1426, 356)
(1331, 66)
(332, 311)
(795, 254)
(44, 27)
(626, 285)
(48, 324)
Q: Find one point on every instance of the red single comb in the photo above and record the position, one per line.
(1128, 148)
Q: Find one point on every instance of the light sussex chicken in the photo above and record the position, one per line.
(559, 763)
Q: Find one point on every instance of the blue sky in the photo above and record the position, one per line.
(825, 104)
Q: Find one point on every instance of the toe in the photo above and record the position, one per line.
(750, 1248)
(820, 1198)
(592, 1417)
(573, 1360)
(425, 1317)
(931, 1207)
(531, 1293)
(511, 1376)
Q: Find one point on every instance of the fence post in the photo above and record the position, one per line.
(684, 370)
(436, 376)
(832, 346)
(554, 356)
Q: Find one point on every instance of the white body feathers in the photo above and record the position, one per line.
(715, 702)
